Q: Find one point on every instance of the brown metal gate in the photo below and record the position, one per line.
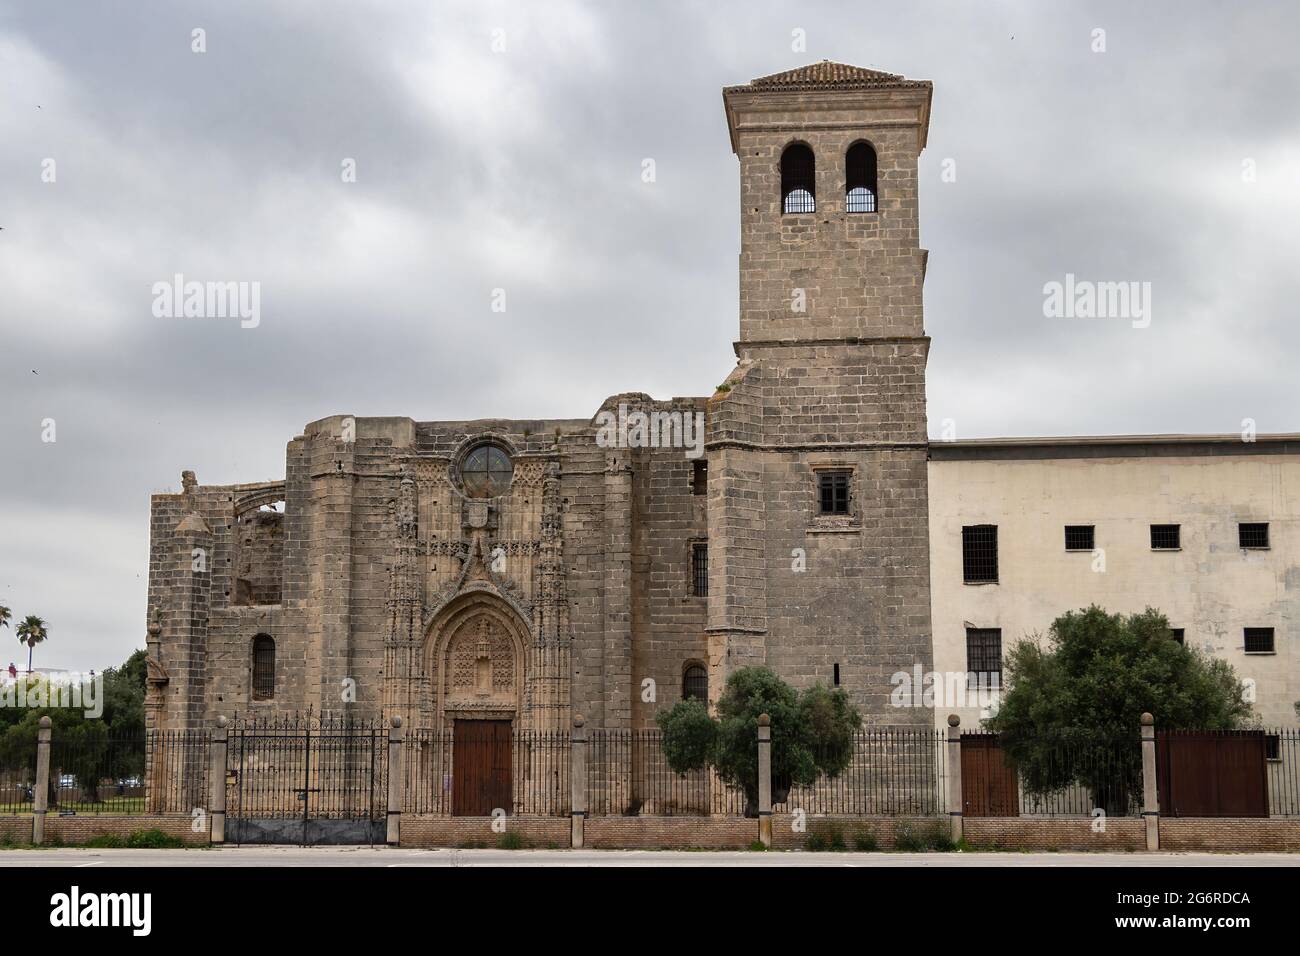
(481, 768)
(1212, 774)
(989, 787)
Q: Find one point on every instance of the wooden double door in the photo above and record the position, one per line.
(989, 786)
(482, 760)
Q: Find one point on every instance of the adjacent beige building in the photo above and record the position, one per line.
(1227, 577)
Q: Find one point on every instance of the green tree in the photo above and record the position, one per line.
(1071, 712)
(32, 631)
(812, 733)
(124, 689)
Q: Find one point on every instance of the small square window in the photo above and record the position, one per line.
(1165, 537)
(1179, 635)
(833, 492)
(700, 476)
(1272, 747)
(1079, 537)
(979, 554)
(1259, 640)
(1253, 535)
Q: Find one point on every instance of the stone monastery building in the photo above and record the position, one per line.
(799, 518)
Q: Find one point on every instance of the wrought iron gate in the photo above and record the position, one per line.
(306, 781)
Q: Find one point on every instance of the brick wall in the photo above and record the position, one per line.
(1024, 833)
(73, 831)
(884, 829)
(1229, 833)
(669, 832)
(465, 831)
(16, 829)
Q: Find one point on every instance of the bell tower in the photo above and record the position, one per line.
(818, 512)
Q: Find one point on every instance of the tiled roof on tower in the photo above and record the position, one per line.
(830, 75)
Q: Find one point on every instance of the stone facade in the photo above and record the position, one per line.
(391, 583)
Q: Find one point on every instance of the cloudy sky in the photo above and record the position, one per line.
(519, 168)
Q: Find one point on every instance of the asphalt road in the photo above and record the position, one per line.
(366, 856)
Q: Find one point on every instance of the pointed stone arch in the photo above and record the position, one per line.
(476, 650)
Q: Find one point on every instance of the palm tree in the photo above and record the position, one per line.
(5, 615)
(31, 632)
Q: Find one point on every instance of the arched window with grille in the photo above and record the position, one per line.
(695, 683)
(263, 667)
(860, 178)
(798, 179)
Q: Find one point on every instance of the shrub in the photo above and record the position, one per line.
(865, 841)
(812, 734)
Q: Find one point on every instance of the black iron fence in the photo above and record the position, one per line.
(17, 773)
(627, 775)
(1282, 753)
(307, 767)
(294, 768)
(892, 772)
(528, 769)
(95, 772)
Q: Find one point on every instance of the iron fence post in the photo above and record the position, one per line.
(954, 777)
(396, 735)
(765, 780)
(578, 776)
(217, 831)
(41, 794)
(1150, 800)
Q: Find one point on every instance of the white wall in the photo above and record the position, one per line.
(1211, 586)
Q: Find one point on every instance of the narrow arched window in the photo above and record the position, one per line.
(798, 179)
(263, 667)
(695, 683)
(860, 178)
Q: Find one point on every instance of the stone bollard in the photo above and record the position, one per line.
(765, 780)
(41, 794)
(217, 828)
(578, 775)
(396, 735)
(955, 813)
(1150, 799)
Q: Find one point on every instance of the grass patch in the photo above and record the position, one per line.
(512, 840)
(757, 847)
(925, 838)
(139, 840)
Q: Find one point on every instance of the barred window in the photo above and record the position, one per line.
(1079, 537)
(798, 179)
(984, 650)
(833, 492)
(695, 683)
(1179, 634)
(1165, 537)
(1272, 746)
(979, 553)
(263, 667)
(1259, 640)
(1253, 535)
(700, 569)
(860, 178)
(700, 477)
